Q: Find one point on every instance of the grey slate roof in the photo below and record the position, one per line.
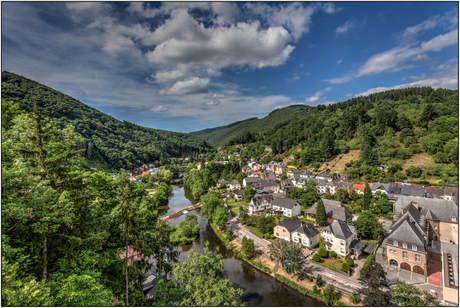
(223, 181)
(369, 248)
(290, 224)
(258, 200)
(443, 209)
(252, 179)
(429, 215)
(287, 183)
(284, 202)
(407, 232)
(340, 229)
(308, 229)
(264, 183)
(339, 211)
(234, 182)
(357, 244)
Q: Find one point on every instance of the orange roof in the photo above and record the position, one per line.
(145, 173)
(359, 186)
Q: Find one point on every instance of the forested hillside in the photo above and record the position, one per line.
(220, 135)
(120, 143)
(392, 127)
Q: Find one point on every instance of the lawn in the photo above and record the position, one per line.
(256, 232)
(305, 220)
(370, 241)
(236, 204)
(332, 263)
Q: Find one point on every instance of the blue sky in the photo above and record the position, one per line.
(195, 65)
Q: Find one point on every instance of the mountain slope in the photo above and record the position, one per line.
(120, 143)
(220, 135)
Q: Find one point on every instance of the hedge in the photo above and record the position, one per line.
(316, 258)
(345, 267)
(333, 254)
(366, 264)
(350, 261)
(322, 253)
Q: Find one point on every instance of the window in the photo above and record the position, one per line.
(395, 243)
(391, 250)
(414, 247)
(284, 230)
(404, 245)
(454, 218)
(342, 242)
(305, 242)
(295, 239)
(435, 227)
(405, 254)
(417, 258)
(342, 250)
(278, 229)
(277, 234)
(395, 251)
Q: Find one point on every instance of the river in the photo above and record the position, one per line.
(260, 289)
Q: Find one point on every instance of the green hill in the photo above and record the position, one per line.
(220, 135)
(121, 144)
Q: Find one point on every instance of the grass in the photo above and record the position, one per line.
(333, 264)
(370, 241)
(236, 204)
(419, 160)
(305, 220)
(339, 163)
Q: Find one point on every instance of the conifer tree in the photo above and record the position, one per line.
(367, 197)
(321, 217)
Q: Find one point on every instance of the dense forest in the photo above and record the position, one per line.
(388, 128)
(220, 135)
(120, 144)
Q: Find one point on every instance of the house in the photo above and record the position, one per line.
(307, 235)
(132, 255)
(272, 166)
(198, 166)
(251, 181)
(292, 172)
(382, 167)
(359, 188)
(239, 195)
(280, 168)
(284, 229)
(335, 210)
(451, 193)
(338, 237)
(320, 185)
(306, 174)
(145, 173)
(331, 187)
(383, 188)
(287, 185)
(267, 186)
(260, 204)
(344, 185)
(325, 176)
(434, 191)
(223, 181)
(288, 207)
(235, 185)
(269, 175)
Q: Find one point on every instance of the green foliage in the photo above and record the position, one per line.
(408, 295)
(333, 254)
(329, 295)
(203, 286)
(345, 267)
(187, 231)
(319, 281)
(375, 288)
(317, 258)
(120, 143)
(247, 246)
(211, 202)
(368, 226)
(413, 172)
(321, 218)
(350, 261)
(293, 259)
(322, 253)
(354, 298)
(248, 193)
(367, 197)
(229, 234)
(368, 262)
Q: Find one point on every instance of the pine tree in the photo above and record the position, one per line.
(367, 197)
(321, 217)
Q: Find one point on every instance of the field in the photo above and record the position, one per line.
(337, 164)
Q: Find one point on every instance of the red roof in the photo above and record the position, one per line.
(145, 173)
(359, 186)
(132, 255)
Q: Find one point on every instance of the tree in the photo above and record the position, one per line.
(367, 197)
(375, 286)
(277, 250)
(229, 234)
(322, 253)
(247, 246)
(211, 202)
(333, 254)
(221, 217)
(413, 172)
(329, 295)
(319, 281)
(321, 218)
(428, 114)
(327, 143)
(248, 193)
(368, 226)
(284, 176)
(294, 259)
(203, 286)
(345, 267)
(350, 261)
(369, 155)
(317, 258)
(408, 295)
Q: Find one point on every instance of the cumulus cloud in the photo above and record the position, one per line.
(216, 95)
(348, 95)
(345, 27)
(192, 85)
(317, 96)
(212, 103)
(396, 59)
(159, 108)
(164, 76)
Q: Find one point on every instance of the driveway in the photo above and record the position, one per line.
(404, 275)
(242, 231)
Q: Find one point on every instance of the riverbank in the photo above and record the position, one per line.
(263, 263)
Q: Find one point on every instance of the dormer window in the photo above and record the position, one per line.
(454, 218)
(395, 243)
(414, 247)
(404, 245)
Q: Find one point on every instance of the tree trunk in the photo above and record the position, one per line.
(127, 260)
(44, 272)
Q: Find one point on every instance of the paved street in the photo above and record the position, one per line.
(242, 231)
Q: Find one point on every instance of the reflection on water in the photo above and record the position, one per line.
(260, 289)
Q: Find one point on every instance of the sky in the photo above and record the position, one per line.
(187, 66)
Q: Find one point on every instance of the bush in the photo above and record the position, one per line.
(322, 253)
(316, 258)
(333, 254)
(345, 267)
(229, 234)
(366, 264)
(315, 289)
(247, 246)
(354, 298)
(319, 281)
(350, 261)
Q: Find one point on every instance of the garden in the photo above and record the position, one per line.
(330, 260)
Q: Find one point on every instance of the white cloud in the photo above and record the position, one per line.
(212, 103)
(294, 78)
(347, 95)
(317, 96)
(287, 105)
(447, 19)
(345, 27)
(159, 108)
(342, 79)
(340, 61)
(164, 76)
(192, 85)
(232, 92)
(216, 95)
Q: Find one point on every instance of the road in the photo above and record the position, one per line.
(238, 228)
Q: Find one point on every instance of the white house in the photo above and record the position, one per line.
(307, 235)
(338, 237)
(235, 185)
(289, 207)
(251, 180)
(260, 204)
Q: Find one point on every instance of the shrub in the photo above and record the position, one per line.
(315, 289)
(333, 254)
(319, 281)
(354, 298)
(316, 258)
(310, 279)
(366, 264)
(345, 267)
(229, 233)
(322, 253)
(350, 261)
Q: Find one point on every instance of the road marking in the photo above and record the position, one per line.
(387, 267)
(411, 275)
(398, 271)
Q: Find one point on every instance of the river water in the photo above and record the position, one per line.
(260, 289)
